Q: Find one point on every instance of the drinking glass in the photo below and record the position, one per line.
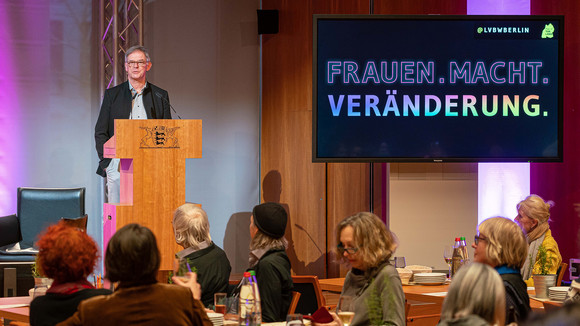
(448, 256)
(400, 262)
(180, 268)
(219, 301)
(294, 320)
(345, 309)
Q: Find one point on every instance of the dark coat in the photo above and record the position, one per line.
(117, 105)
(151, 304)
(53, 308)
(517, 300)
(213, 271)
(275, 285)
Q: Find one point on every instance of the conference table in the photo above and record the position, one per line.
(425, 300)
(15, 308)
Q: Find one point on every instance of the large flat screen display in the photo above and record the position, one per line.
(437, 88)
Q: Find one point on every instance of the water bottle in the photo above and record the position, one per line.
(250, 312)
(258, 303)
(247, 301)
(457, 258)
(465, 254)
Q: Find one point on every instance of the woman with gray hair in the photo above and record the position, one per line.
(476, 297)
(533, 217)
(191, 229)
(501, 244)
(373, 283)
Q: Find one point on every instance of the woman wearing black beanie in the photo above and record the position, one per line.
(268, 258)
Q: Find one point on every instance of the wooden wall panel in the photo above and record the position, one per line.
(287, 172)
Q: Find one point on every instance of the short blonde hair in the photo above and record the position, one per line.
(374, 241)
(476, 289)
(191, 226)
(506, 242)
(535, 207)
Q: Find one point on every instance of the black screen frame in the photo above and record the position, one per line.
(386, 159)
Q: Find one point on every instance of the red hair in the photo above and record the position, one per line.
(66, 254)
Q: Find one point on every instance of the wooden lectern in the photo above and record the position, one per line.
(152, 166)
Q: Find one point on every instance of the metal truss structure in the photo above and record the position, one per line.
(121, 26)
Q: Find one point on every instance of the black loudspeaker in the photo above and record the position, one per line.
(267, 21)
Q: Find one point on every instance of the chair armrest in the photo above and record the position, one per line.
(9, 230)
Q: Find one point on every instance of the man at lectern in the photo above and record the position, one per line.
(134, 99)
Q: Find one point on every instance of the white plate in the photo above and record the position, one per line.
(430, 283)
(430, 274)
(559, 288)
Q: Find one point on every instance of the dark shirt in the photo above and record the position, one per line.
(213, 271)
(53, 308)
(275, 285)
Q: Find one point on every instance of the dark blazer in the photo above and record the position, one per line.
(117, 105)
(151, 304)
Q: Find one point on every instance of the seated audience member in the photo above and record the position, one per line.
(191, 229)
(502, 245)
(367, 244)
(132, 259)
(67, 255)
(533, 217)
(476, 297)
(268, 258)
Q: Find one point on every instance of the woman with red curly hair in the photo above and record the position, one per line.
(67, 255)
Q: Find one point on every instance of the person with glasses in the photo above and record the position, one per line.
(374, 284)
(134, 99)
(533, 217)
(502, 245)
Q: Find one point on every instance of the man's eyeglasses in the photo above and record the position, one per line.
(136, 63)
(351, 251)
(478, 238)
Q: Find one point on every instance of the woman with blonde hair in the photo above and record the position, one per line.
(533, 217)
(476, 297)
(501, 244)
(374, 284)
(191, 229)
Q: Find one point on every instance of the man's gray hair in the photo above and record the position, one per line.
(137, 48)
(191, 226)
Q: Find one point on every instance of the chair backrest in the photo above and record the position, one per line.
(561, 272)
(41, 207)
(294, 302)
(79, 222)
(311, 295)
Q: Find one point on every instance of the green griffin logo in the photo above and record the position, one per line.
(548, 31)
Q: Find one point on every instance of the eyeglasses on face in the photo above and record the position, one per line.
(137, 63)
(351, 251)
(478, 238)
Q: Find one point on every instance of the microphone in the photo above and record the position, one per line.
(167, 101)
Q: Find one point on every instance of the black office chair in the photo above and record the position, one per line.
(37, 208)
(311, 297)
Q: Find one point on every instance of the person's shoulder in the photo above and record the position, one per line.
(118, 88)
(156, 88)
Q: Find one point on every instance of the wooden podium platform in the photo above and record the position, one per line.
(152, 166)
